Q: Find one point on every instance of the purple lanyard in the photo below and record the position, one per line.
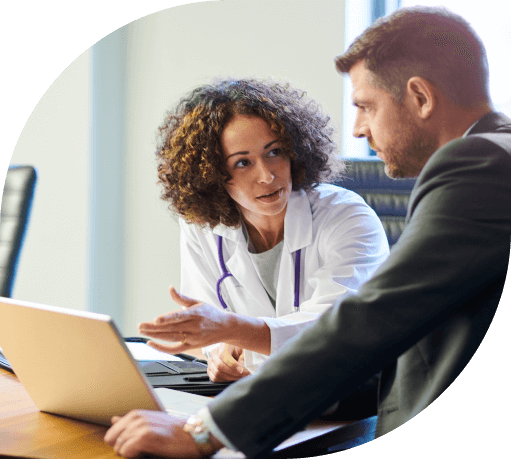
(226, 274)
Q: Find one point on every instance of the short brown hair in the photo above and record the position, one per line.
(191, 165)
(430, 42)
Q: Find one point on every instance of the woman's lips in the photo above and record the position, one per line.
(271, 197)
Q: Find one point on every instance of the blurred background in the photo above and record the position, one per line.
(99, 236)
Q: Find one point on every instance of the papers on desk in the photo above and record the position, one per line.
(178, 402)
(141, 351)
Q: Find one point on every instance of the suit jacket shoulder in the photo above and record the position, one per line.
(461, 203)
(421, 317)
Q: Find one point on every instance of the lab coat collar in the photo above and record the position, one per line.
(232, 234)
(297, 224)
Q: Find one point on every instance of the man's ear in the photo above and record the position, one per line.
(421, 94)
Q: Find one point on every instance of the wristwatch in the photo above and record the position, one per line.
(201, 435)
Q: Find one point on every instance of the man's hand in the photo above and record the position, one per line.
(151, 432)
(226, 363)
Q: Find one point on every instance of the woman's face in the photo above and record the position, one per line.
(260, 170)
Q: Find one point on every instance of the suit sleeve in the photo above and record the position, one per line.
(455, 246)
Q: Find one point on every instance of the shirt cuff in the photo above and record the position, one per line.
(210, 423)
(283, 328)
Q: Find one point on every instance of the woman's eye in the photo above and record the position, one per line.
(275, 152)
(242, 163)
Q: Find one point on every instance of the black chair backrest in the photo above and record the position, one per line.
(388, 197)
(15, 210)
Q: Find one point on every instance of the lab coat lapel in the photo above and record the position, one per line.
(297, 235)
(238, 263)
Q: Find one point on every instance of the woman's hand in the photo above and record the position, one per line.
(196, 325)
(226, 363)
(200, 324)
(153, 432)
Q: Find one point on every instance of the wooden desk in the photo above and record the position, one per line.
(26, 432)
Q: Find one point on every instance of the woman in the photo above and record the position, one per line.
(264, 246)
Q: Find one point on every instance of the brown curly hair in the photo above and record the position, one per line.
(191, 165)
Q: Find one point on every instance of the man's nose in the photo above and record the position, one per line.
(360, 130)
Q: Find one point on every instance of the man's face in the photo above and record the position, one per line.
(391, 128)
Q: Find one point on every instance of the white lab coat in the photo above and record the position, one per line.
(342, 242)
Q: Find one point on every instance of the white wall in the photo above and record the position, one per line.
(55, 139)
(169, 53)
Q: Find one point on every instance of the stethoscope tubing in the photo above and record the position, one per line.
(297, 280)
(226, 274)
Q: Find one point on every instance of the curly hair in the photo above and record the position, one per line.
(191, 164)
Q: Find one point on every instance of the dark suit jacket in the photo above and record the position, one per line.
(420, 318)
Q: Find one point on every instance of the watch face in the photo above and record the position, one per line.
(197, 430)
(201, 437)
(200, 434)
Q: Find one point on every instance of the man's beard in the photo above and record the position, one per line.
(409, 153)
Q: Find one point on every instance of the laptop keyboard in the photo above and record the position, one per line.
(4, 363)
(152, 368)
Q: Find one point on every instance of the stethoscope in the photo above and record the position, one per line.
(226, 274)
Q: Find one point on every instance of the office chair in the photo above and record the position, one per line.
(16, 204)
(388, 197)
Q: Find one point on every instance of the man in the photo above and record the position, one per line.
(420, 87)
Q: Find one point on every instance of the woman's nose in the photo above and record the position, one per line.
(265, 174)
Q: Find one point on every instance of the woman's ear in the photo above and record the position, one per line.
(421, 95)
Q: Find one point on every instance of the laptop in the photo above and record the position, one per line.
(76, 364)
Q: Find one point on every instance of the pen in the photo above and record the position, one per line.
(192, 358)
(135, 339)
